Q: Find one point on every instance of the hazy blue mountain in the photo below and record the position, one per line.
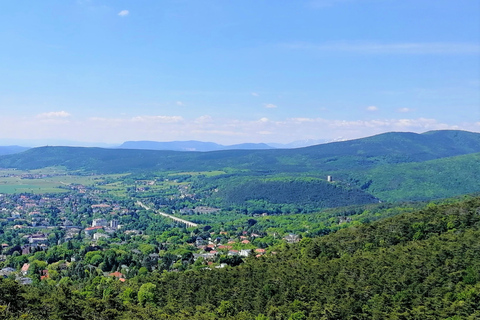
(298, 143)
(359, 154)
(191, 145)
(33, 143)
(4, 150)
(248, 146)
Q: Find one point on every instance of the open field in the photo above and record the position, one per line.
(48, 180)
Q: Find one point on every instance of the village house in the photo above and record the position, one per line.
(92, 230)
(25, 268)
(245, 252)
(99, 223)
(98, 236)
(5, 272)
(233, 253)
(206, 256)
(205, 210)
(117, 275)
(44, 274)
(37, 238)
(199, 241)
(292, 238)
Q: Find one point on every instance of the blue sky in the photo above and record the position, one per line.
(237, 71)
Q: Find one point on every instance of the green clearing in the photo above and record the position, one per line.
(50, 180)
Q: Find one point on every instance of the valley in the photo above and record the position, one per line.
(120, 227)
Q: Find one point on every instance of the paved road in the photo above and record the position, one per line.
(188, 223)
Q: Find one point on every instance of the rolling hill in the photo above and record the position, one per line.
(390, 166)
(4, 150)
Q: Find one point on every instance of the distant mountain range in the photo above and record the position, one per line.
(387, 148)
(11, 150)
(391, 166)
(191, 145)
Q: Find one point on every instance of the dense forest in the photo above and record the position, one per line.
(419, 265)
(275, 195)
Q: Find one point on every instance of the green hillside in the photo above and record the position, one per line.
(421, 265)
(391, 166)
(388, 148)
(256, 195)
(441, 178)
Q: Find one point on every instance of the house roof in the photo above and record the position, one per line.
(93, 228)
(116, 274)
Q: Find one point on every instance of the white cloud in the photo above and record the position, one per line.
(269, 106)
(124, 13)
(180, 103)
(54, 115)
(204, 119)
(372, 108)
(302, 119)
(404, 110)
(164, 119)
(207, 128)
(255, 94)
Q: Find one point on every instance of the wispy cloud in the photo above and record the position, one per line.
(389, 48)
(270, 105)
(124, 13)
(54, 115)
(180, 103)
(203, 119)
(208, 128)
(255, 94)
(371, 108)
(404, 110)
(161, 119)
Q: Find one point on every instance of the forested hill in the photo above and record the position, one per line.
(4, 150)
(388, 148)
(421, 265)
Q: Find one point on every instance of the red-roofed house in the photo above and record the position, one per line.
(92, 230)
(117, 275)
(25, 268)
(44, 274)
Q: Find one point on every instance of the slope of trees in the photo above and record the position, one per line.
(421, 265)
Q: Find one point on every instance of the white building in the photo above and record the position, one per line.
(245, 252)
(99, 223)
(97, 236)
(114, 224)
